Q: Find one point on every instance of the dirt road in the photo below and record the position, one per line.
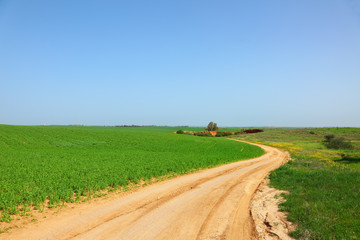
(210, 204)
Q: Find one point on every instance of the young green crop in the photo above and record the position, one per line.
(63, 163)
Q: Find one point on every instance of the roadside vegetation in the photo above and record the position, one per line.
(213, 130)
(323, 178)
(45, 166)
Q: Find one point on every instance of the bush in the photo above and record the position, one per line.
(222, 134)
(255, 130)
(337, 142)
(219, 134)
(180, 131)
(203, 134)
(329, 137)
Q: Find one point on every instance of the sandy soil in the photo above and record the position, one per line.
(270, 223)
(209, 204)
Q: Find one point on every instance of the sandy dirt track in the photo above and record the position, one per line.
(209, 204)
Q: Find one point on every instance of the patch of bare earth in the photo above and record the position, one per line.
(270, 223)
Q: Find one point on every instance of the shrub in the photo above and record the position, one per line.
(212, 127)
(222, 134)
(203, 134)
(253, 130)
(180, 131)
(337, 142)
(219, 134)
(329, 137)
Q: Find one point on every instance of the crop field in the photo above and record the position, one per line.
(56, 164)
(324, 184)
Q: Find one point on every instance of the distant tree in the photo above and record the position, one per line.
(212, 127)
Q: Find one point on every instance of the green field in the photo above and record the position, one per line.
(57, 164)
(324, 186)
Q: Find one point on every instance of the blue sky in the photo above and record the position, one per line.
(237, 63)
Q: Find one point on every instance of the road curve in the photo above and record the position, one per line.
(209, 204)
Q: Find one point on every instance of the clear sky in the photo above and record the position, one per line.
(188, 62)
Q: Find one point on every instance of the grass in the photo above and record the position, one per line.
(324, 184)
(57, 164)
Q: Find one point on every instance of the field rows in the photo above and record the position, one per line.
(57, 163)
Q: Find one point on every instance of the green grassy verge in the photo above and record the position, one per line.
(324, 199)
(65, 163)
